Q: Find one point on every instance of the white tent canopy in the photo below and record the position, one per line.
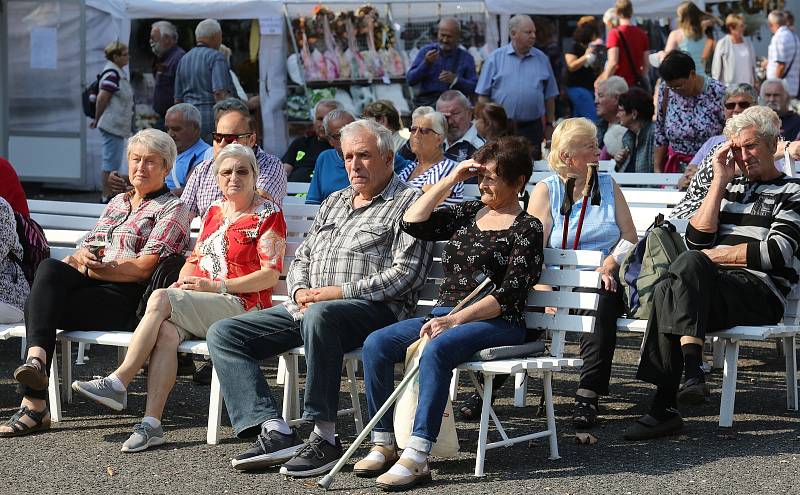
(647, 8)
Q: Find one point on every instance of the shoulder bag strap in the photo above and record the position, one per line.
(634, 67)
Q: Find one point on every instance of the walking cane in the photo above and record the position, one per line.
(484, 288)
(589, 189)
(566, 207)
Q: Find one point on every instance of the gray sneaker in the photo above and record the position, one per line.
(144, 436)
(101, 391)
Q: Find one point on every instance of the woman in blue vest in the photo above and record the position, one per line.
(607, 227)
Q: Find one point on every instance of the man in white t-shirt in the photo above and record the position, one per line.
(783, 55)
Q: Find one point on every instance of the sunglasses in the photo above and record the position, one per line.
(740, 104)
(229, 138)
(422, 130)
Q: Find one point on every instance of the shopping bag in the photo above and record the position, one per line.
(406, 408)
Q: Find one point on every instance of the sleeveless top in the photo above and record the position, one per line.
(599, 232)
(695, 49)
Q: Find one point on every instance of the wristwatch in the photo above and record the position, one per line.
(223, 289)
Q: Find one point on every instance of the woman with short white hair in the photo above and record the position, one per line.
(235, 264)
(98, 287)
(607, 227)
(428, 134)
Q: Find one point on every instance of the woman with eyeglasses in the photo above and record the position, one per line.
(635, 113)
(428, 133)
(100, 284)
(734, 58)
(234, 266)
(688, 112)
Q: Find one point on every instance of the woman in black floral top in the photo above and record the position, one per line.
(494, 235)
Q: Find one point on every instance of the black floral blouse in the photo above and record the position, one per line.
(512, 258)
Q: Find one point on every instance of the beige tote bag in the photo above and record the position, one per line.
(406, 407)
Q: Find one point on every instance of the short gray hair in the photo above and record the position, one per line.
(741, 89)
(335, 115)
(157, 141)
(610, 17)
(230, 105)
(614, 85)
(190, 113)
(334, 104)
(454, 94)
(383, 136)
(166, 28)
(782, 82)
(207, 28)
(438, 120)
(240, 152)
(764, 119)
(515, 21)
(778, 17)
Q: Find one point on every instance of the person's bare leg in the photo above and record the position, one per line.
(37, 405)
(686, 339)
(162, 370)
(145, 336)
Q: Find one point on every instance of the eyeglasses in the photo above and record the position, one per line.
(422, 130)
(229, 138)
(740, 104)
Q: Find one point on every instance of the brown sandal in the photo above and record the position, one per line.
(18, 428)
(32, 374)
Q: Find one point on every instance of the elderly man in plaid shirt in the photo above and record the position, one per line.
(356, 272)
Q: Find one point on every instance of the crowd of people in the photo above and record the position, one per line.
(384, 200)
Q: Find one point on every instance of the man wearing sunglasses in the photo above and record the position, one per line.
(233, 125)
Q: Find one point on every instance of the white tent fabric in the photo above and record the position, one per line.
(581, 7)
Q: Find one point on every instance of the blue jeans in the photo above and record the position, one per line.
(327, 330)
(113, 149)
(582, 102)
(388, 346)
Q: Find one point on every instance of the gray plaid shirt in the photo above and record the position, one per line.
(363, 251)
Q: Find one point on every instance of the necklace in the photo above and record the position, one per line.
(238, 214)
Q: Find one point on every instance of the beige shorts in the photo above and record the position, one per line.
(193, 312)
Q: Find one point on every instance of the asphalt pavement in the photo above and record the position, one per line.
(761, 455)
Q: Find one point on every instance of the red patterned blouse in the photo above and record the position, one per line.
(227, 250)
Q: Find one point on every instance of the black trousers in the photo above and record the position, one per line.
(597, 348)
(63, 298)
(697, 297)
(533, 131)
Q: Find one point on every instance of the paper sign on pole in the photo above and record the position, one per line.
(271, 25)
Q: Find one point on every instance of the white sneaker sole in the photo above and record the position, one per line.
(152, 442)
(266, 460)
(111, 403)
(309, 472)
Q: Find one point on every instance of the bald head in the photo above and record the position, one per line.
(449, 34)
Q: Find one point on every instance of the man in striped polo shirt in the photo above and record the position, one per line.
(743, 243)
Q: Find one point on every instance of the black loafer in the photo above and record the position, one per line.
(648, 427)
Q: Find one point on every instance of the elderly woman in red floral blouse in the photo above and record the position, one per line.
(235, 264)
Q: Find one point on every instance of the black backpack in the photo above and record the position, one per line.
(89, 95)
(34, 246)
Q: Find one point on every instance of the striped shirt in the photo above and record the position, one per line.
(364, 251)
(766, 217)
(159, 225)
(200, 73)
(434, 174)
(202, 189)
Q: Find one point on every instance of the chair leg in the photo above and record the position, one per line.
(547, 383)
(290, 388)
(520, 389)
(454, 385)
(352, 384)
(281, 376)
(81, 359)
(66, 369)
(121, 352)
(718, 347)
(728, 384)
(23, 348)
(483, 432)
(53, 391)
(214, 410)
(790, 353)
